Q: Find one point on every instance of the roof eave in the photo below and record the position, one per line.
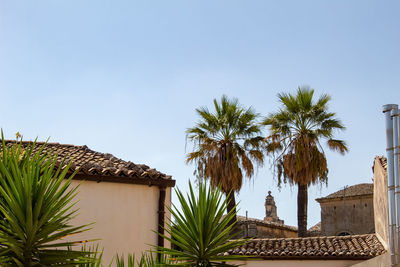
(367, 257)
(126, 180)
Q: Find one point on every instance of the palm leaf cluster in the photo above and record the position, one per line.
(201, 234)
(296, 132)
(36, 206)
(226, 143)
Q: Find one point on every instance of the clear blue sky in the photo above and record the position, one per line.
(125, 77)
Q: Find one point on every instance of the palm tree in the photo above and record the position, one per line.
(226, 144)
(297, 130)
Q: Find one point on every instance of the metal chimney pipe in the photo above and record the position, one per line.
(395, 113)
(392, 204)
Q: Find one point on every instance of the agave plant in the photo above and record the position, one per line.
(201, 233)
(36, 206)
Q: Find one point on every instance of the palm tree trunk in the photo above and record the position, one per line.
(302, 203)
(231, 205)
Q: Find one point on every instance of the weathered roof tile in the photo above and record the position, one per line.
(321, 247)
(98, 166)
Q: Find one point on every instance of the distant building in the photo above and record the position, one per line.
(358, 250)
(270, 210)
(271, 226)
(349, 211)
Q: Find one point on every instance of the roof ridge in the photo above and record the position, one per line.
(313, 237)
(361, 189)
(38, 142)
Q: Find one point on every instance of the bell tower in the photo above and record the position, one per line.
(270, 210)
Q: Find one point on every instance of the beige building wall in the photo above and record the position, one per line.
(125, 216)
(380, 261)
(381, 216)
(381, 204)
(298, 263)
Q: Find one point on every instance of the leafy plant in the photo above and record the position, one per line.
(120, 261)
(36, 206)
(201, 234)
(95, 255)
(149, 259)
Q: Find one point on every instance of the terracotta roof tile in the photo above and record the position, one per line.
(321, 247)
(351, 191)
(98, 166)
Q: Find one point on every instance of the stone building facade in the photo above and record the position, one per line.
(348, 211)
(270, 227)
(270, 210)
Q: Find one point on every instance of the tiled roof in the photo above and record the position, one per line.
(321, 247)
(351, 191)
(315, 230)
(242, 219)
(103, 166)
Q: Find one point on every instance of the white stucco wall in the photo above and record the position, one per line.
(125, 216)
(297, 263)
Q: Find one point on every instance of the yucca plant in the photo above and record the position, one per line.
(120, 261)
(149, 259)
(36, 206)
(201, 234)
(95, 256)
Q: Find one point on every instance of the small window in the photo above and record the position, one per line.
(354, 206)
(343, 234)
(365, 205)
(334, 207)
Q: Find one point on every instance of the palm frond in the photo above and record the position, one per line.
(296, 131)
(338, 145)
(222, 141)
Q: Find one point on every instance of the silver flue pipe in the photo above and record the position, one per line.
(391, 198)
(395, 113)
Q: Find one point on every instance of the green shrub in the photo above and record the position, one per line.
(201, 233)
(36, 207)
